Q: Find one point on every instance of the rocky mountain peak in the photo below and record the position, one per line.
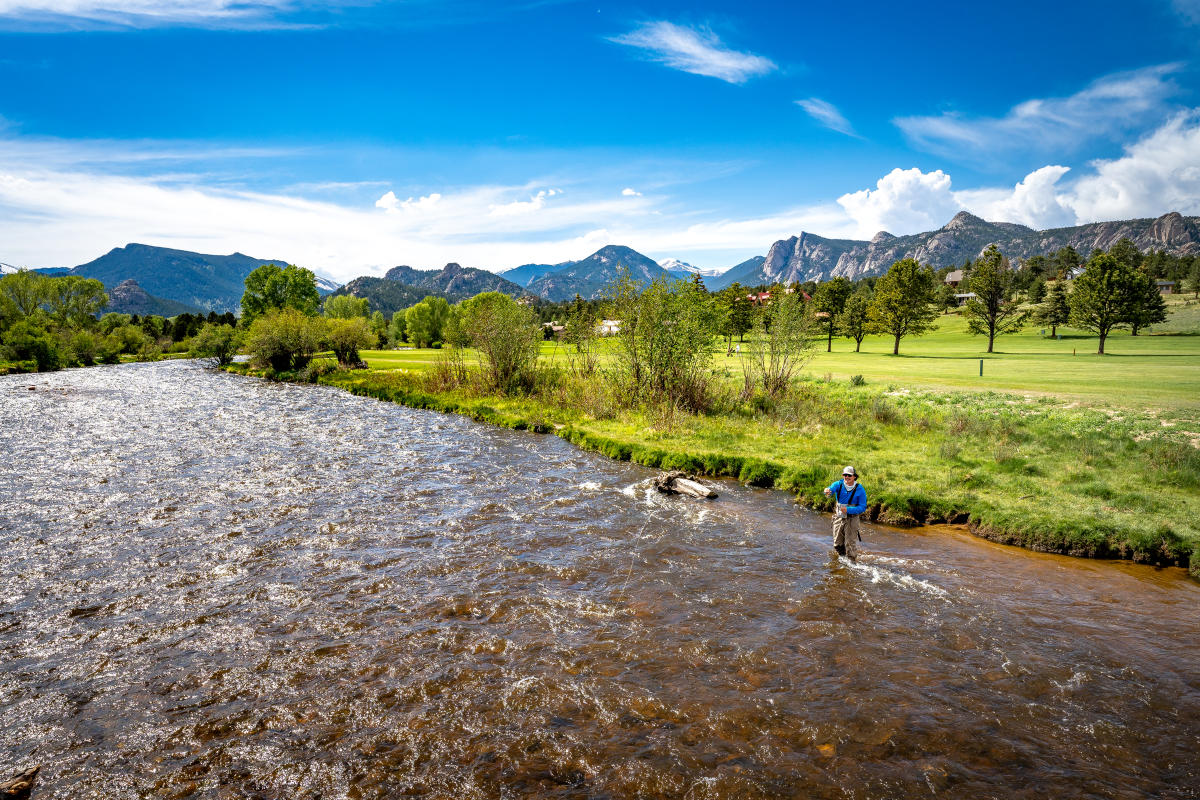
(963, 219)
(881, 237)
(1172, 230)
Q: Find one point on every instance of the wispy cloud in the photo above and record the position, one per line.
(146, 13)
(1115, 104)
(827, 114)
(627, 192)
(1188, 9)
(695, 50)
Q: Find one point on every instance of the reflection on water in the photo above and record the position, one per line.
(217, 587)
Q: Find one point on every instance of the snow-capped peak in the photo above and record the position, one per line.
(675, 265)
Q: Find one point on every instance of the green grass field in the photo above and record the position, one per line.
(1156, 370)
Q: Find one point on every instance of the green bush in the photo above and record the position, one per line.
(285, 339)
(28, 341)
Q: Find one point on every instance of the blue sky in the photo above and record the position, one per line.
(354, 136)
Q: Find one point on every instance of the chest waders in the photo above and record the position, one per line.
(846, 535)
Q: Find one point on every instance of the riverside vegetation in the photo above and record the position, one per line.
(1035, 459)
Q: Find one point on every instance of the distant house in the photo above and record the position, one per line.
(609, 327)
(1165, 287)
(954, 278)
(962, 299)
(554, 327)
(759, 298)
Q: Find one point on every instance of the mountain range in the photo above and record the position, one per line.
(180, 280)
(809, 257)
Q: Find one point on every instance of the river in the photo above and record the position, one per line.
(218, 587)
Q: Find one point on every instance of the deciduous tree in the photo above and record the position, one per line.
(74, 301)
(270, 288)
(25, 289)
(771, 360)
(507, 337)
(854, 321)
(218, 342)
(424, 321)
(285, 338)
(346, 336)
(830, 299)
(905, 302)
(346, 306)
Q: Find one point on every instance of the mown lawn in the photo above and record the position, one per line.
(1156, 370)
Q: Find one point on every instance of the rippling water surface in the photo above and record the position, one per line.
(217, 587)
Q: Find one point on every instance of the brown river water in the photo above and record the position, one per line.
(217, 587)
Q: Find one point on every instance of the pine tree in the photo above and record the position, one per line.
(1056, 310)
(1104, 296)
(992, 311)
(1148, 307)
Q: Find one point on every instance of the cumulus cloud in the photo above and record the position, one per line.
(827, 114)
(627, 192)
(1112, 105)
(903, 201)
(1036, 201)
(1157, 174)
(389, 202)
(695, 50)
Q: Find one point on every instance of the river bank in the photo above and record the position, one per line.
(1027, 471)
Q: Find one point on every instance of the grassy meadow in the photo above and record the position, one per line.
(1050, 449)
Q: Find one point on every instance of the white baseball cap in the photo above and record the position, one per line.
(849, 471)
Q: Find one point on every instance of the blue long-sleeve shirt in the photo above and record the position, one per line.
(845, 496)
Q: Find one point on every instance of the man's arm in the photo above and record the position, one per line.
(861, 494)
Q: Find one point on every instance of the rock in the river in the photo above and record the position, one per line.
(676, 482)
(19, 786)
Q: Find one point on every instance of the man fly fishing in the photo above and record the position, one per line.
(851, 499)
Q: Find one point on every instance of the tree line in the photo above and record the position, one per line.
(51, 322)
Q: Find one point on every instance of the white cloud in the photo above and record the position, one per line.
(535, 203)
(903, 201)
(1110, 106)
(389, 202)
(1157, 174)
(827, 114)
(627, 192)
(1036, 201)
(698, 51)
(144, 13)
(62, 205)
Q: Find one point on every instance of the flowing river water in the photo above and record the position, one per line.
(218, 587)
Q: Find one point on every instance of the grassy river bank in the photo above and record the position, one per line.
(1047, 470)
